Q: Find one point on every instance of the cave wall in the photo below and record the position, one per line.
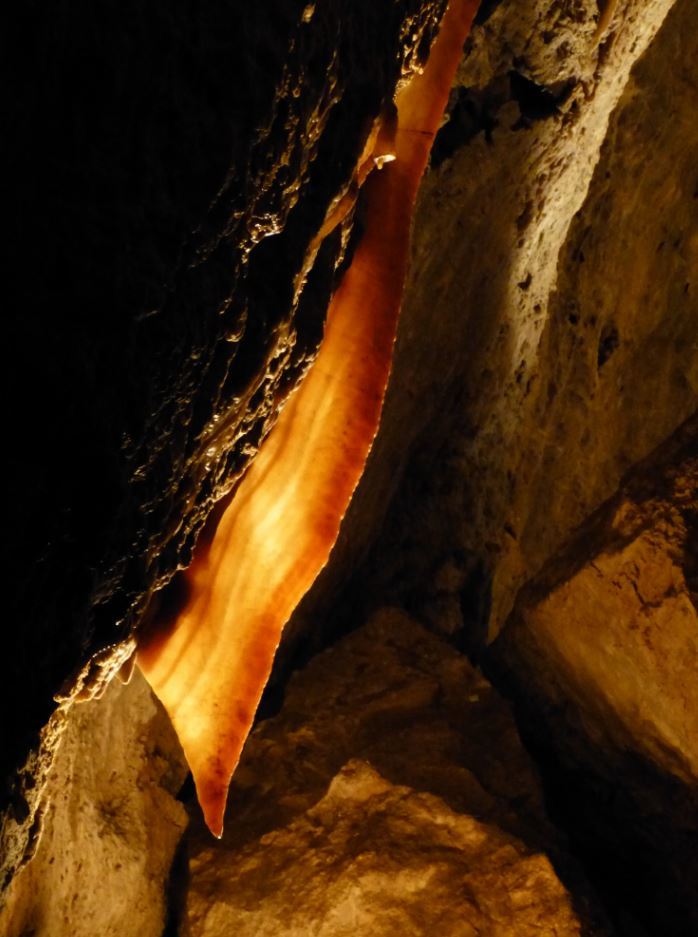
(548, 346)
(543, 205)
(390, 794)
(600, 654)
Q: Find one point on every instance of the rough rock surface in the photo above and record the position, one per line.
(547, 341)
(112, 825)
(390, 794)
(602, 649)
(554, 274)
(168, 169)
(382, 859)
(614, 617)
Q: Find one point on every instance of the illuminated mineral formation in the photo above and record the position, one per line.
(209, 669)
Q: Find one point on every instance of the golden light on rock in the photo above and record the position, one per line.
(209, 669)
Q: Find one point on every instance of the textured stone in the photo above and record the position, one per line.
(602, 652)
(391, 793)
(547, 340)
(111, 825)
(548, 344)
(383, 859)
(614, 620)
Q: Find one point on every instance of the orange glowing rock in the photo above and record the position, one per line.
(210, 668)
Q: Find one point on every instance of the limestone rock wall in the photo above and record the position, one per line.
(601, 652)
(549, 344)
(548, 336)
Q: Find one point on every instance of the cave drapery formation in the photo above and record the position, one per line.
(483, 717)
(209, 669)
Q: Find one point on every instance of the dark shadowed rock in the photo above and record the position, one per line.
(601, 653)
(167, 169)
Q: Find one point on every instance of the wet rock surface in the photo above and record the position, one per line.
(391, 793)
(168, 169)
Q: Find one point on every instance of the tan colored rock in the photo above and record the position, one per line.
(378, 858)
(602, 652)
(390, 794)
(549, 344)
(111, 827)
(611, 625)
(585, 355)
